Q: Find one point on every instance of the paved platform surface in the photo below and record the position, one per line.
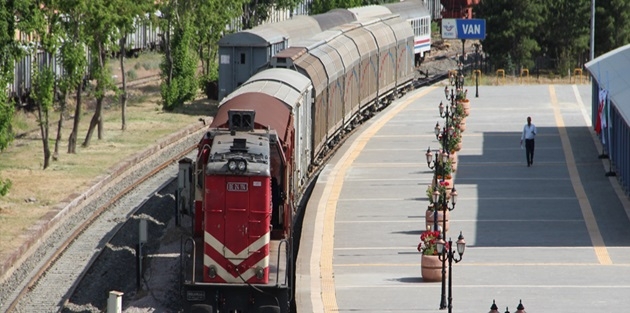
(555, 235)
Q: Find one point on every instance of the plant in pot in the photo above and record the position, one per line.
(461, 95)
(447, 169)
(462, 100)
(431, 264)
(454, 141)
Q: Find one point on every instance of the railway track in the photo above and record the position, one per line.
(53, 269)
(56, 268)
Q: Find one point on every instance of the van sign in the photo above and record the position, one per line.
(464, 28)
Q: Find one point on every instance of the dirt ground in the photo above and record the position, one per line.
(36, 192)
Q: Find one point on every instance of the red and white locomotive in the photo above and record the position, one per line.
(255, 161)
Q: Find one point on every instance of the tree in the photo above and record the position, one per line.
(8, 53)
(323, 6)
(611, 30)
(44, 23)
(565, 17)
(257, 11)
(179, 82)
(512, 26)
(127, 14)
(74, 63)
(211, 16)
(99, 26)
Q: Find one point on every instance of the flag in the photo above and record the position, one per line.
(600, 111)
(608, 126)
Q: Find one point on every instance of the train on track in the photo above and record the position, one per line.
(244, 53)
(242, 193)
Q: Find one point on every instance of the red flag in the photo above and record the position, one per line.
(600, 108)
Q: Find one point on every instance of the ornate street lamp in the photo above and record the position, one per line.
(519, 309)
(435, 164)
(444, 207)
(447, 253)
(494, 308)
(477, 66)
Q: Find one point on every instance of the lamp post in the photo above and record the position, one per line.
(447, 253)
(494, 308)
(435, 164)
(477, 47)
(519, 309)
(447, 112)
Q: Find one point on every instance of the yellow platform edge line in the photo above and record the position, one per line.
(337, 175)
(585, 206)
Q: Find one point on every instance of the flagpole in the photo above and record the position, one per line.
(600, 114)
(606, 132)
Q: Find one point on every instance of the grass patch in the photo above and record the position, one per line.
(36, 191)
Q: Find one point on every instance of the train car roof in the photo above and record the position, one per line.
(369, 11)
(401, 28)
(347, 49)
(334, 18)
(408, 9)
(264, 35)
(284, 85)
(270, 111)
(382, 32)
(291, 53)
(291, 84)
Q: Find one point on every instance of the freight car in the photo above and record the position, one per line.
(419, 17)
(253, 165)
(244, 53)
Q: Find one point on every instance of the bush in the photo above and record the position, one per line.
(131, 74)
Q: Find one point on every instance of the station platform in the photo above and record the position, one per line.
(555, 235)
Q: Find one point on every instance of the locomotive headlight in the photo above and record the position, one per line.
(242, 165)
(232, 165)
(212, 271)
(260, 272)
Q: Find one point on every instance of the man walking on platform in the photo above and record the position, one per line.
(529, 133)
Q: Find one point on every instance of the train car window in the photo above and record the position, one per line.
(242, 58)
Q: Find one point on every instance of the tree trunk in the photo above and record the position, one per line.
(43, 126)
(72, 140)
(169, 56)
(97, 119)
(123, 96)
(62, 109)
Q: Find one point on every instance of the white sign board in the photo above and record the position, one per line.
(449, 28)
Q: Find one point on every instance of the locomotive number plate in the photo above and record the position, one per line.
(237, 187)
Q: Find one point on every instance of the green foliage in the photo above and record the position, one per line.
(131, 74)
(257, 11)
(6, 117)
(43, 86)
(611, 20)
(182, 85)
(5, 186)
(512, 26)
(148, 65)
(323, 6)
(73, 61)
(520, 31)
